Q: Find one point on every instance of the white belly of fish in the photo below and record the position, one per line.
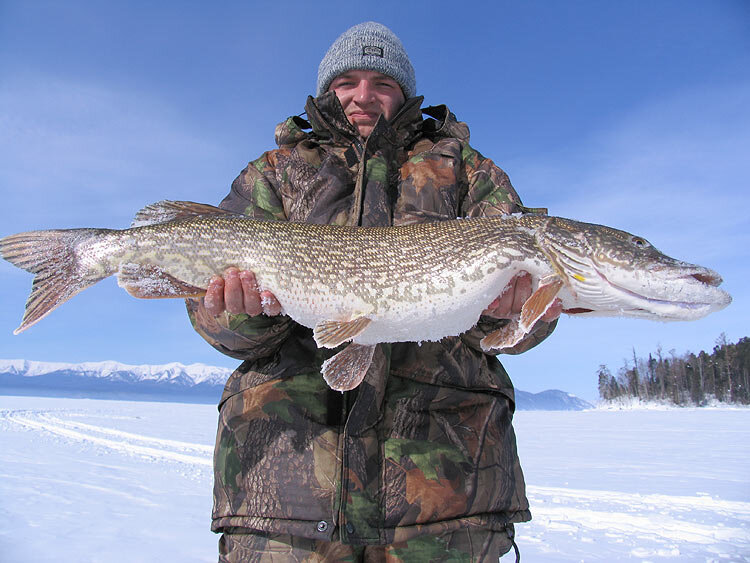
(406, 312)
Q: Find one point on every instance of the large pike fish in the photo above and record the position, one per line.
(367, 285)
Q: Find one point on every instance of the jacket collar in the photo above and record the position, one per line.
(329, 124)
(444, 124)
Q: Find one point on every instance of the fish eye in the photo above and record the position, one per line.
(639, 242)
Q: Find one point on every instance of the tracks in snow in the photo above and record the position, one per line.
(651, 525)
(112, 438)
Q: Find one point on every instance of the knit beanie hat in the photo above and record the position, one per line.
(368, 46)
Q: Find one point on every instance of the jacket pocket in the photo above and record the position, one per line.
(448, 454)
(276, 456)
(450, 362)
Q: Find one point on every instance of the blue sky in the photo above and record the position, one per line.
(630, 114)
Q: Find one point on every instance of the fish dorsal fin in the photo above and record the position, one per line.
(163, 211)
(329, 334)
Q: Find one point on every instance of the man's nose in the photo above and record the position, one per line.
(364, 92)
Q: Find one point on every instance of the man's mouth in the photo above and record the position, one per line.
(363, 116)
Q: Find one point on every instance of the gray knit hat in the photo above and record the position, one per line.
(368, 46)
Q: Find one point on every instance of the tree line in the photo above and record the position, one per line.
(688, 380)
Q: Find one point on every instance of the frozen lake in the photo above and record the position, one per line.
(85, 480)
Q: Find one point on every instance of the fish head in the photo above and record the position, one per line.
(609, 272)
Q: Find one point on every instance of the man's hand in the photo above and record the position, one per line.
(514, 296)
(237, 292)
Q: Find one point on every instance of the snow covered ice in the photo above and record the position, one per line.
(120, 481)
(105, 481)
(636, 485)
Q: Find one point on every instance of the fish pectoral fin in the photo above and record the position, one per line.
(348, 368)
(538, 304)
(505, 337)
(166, 210)
(329, 334)
(152, 282)
(516, 329)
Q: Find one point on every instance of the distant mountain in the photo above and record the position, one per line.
(169, 382)
(550, 400)
(172, 382)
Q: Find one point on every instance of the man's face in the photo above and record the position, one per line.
(364, 95)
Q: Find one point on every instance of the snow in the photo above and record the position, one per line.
(123, 481)
(636, 484)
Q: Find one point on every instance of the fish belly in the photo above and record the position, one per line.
(430, 317)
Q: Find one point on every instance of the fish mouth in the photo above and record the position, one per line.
(699, 280)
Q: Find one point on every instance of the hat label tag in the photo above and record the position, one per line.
(372, 50)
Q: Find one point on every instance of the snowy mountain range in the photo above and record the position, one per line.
(169, 382)
(173, 382)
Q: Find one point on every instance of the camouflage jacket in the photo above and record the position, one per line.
(425, 443)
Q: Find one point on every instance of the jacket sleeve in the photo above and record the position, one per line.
(491, 193)
(254, 193)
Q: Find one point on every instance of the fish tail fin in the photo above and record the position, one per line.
(59, 275)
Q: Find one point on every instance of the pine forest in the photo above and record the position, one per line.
(722, 375)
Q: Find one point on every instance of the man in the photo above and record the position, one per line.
(419, 462)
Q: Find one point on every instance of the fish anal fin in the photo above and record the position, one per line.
(505, 337)
(163, 211)
(151, 282)
(348, 368)
(538, 304)
(329, 334)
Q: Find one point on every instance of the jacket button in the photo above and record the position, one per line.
(350, 527)
(322, 526)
